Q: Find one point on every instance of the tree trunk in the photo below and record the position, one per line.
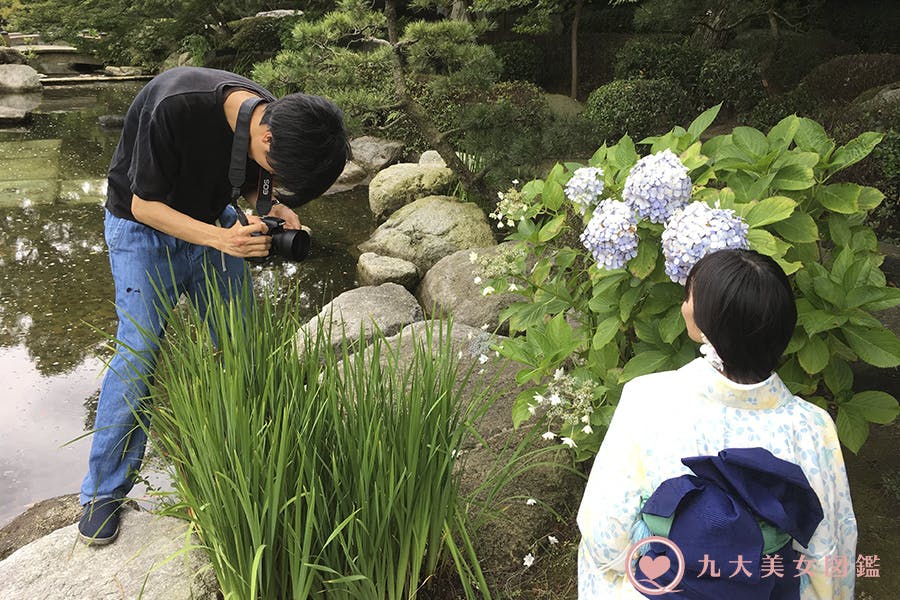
(713, 31)
(573, 92)
(415, 111)
(769, 57)
(459, 11)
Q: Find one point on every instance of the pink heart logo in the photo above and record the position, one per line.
(654, 567)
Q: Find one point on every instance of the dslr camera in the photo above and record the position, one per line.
(291, 244)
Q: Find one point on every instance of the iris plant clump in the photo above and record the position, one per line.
(315, 472)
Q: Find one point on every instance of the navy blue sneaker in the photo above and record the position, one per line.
(99, 524)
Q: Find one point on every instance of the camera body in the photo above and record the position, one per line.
(291, 244)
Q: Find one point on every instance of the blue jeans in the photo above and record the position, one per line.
(150, 270)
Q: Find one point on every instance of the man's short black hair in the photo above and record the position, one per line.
(744, 304)
(309, 146)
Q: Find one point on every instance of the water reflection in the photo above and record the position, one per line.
(57, 315)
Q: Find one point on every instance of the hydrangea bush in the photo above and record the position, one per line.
(607, 310)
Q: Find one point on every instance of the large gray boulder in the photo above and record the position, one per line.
(19, 78)
(429, 229)
(373, 154)
(400, 184)
(450, 289)
(17, 108)
(146, 561)
(388, 308)
(373, 269)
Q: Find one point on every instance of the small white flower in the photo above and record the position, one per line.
(499, 224)
(488, 291)
(539, 399)
(531, 502)
(481, 371)
(510, 223)
(552, 539)
(549, 435)
(514, 288)
(558, 374)
(497, 353)
(484, 327)
(587, 429)
(477, 280)
(532, 409)
(459, 355)
(473, 257)
(569, 442)
(529, 560)
(586, 419)
(555, 400)
(515, 182)
(483, 358)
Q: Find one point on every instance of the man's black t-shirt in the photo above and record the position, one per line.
(176, 144)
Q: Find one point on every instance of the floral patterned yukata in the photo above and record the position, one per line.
(697, 411)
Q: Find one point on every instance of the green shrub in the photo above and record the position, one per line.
(602, 328)
(505, 125)
(638, 107)
(772, 109)
(523, 60)
(843, 78)
(733, 78)
(655, 57)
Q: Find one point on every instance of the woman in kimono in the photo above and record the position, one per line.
(766, 513)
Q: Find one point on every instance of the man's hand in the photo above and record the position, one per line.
(291, 220)
(238, 240)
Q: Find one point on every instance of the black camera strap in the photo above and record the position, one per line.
(237, 171)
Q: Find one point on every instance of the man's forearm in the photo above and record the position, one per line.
(164, 218)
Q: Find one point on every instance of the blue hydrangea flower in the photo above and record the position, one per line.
(584, 188)
(611, 234)
(657, 186)
(696, 230)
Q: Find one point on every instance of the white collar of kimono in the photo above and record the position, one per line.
(715, 387)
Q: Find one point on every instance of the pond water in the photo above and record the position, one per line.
(56, 293)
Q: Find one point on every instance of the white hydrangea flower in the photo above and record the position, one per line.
(657, 186)
(584, 188)
(611, 235)
(696, 230)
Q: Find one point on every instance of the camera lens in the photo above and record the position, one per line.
(292, 244)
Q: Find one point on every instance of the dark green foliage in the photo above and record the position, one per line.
(881, 169)
(654, 57)
(506, 124)
(871, 25)
(638, 107)
(733, 78)
(523, 60)
(257, 39)
(799, 53)
(843, 78)
(771, 110)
